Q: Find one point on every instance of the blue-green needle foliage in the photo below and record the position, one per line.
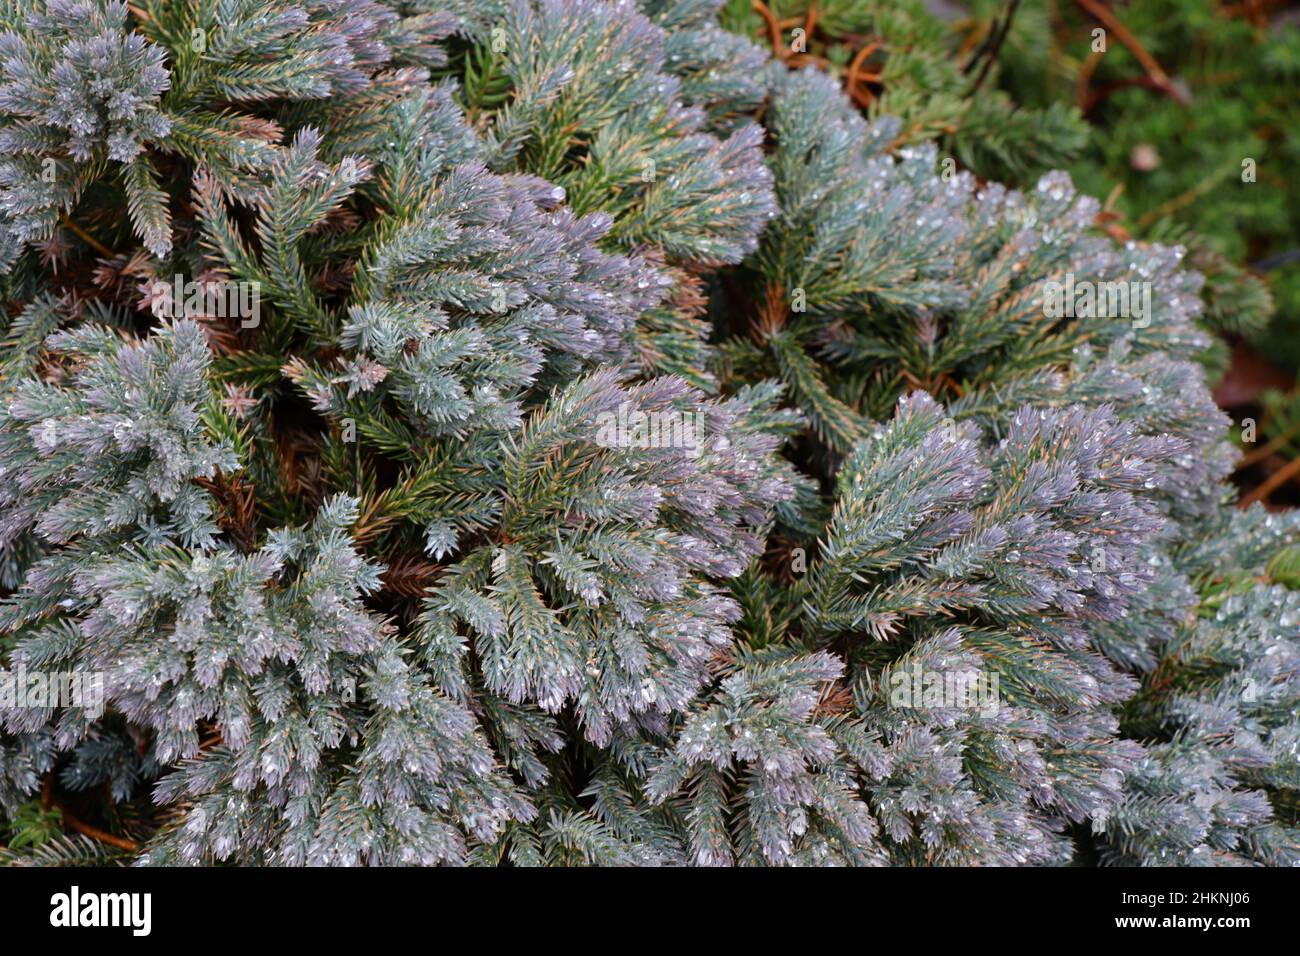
(598, 108)
(84, 97)
(628, 460)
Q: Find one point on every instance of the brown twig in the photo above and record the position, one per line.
(977, 43)
(1096, 96)
(1265, 451)
(1270, 484)
(809, 23)
(856, 75)
(86, 237)
(1159, 78)
(993, 46)
(122, 843)
(973, 36)
(69, 820)
(773, 27)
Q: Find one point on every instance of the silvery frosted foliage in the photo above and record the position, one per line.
(854, 311)
(600, 595)
(105, 461)
(1064, 542)
(1205, 795)
(101, 465)
(583, 535)
(945, 557)
(726, 74)
(245, 50)
(110, 456)
(76, 70)
(301, 731)
(77, 89)
(1219, 782)
(473, 285)
(83, 97)
(1158, 394)
(594, 110)
(649, 120)
(24, 760)
(470, 545)
(888, 272)
(948, 563)
(763, 773)
(581, 599)
(334, 749)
